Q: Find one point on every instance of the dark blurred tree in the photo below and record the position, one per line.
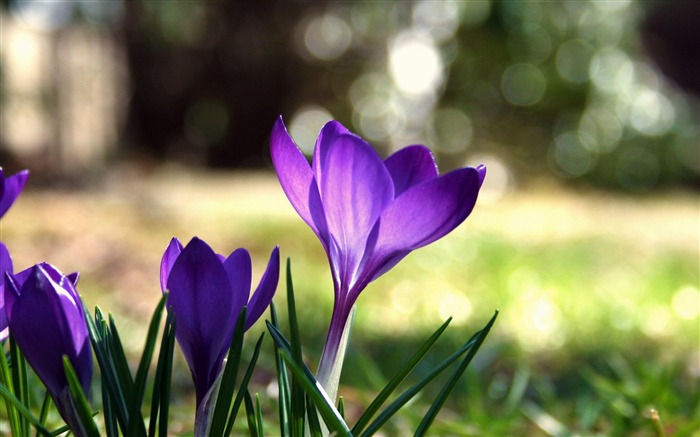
(209, 74)
(671, 34)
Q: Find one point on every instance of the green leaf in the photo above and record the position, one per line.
(314, 425)
(19, 408)
(136, 425)
(114, 393)
(160, 397)
(228, 379)
(399, 377)
(119, 358)
(79, 401)
(110, 417)
(19, 382)
(244, 385)
(407, 395)
(297, 407)
(282, 383)
(6, 383)
(251, 416)
(452, 382)
(310, 385)
(45, 405)
(258, 414)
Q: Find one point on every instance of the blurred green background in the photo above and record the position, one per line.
(144, 120)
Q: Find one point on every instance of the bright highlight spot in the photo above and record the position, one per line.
(499, 181)
(456, 305)
(523, 84)
(415, 64)
(327, 37)
(686, 302)
(450, 130)
(306, 124)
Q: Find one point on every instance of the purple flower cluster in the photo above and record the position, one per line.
(42, 310)
(368, 212)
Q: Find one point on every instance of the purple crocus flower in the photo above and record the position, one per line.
(368, 213)
(10, 187)
(47, 321)
(207, 294)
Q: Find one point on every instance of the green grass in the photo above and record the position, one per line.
(598, 297)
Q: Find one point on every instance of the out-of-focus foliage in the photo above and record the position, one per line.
(530, 88)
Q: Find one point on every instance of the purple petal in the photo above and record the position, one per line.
(356, 188)
(411, 166)
(481, 169)
(5, 266)
(328, 135)
(240, 271)
(166, 264)
(266, 289)
(200, 297)
(47, 321)
(12, 186)
(421, 215)
(296, 178)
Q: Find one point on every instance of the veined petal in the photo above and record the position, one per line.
(328, 135)
(201, 299)
(266, 289)
(421, 215)
(240, 270)
(296, 178)
(356, 188)
(166, 264)
(12, 186)
(411, 166)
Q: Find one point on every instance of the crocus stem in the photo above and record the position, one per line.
(331, 364)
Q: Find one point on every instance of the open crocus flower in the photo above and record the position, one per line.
(10, 187)
(47, 321)
(207, 294)
(368, 213)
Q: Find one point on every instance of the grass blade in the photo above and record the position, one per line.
(6, 383)
(314, 424)
(19, 382)
(244, 385)
(114, 395)
(310, 385)
(398, 378)
(258, 414)
(136, 423)
(297, 399)
(251, 416)
(79, 402)
(407, 395)
(160, 383)
(148, 349)
(452, 382)
(282, 382)
(227, 384)
(20, 409)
